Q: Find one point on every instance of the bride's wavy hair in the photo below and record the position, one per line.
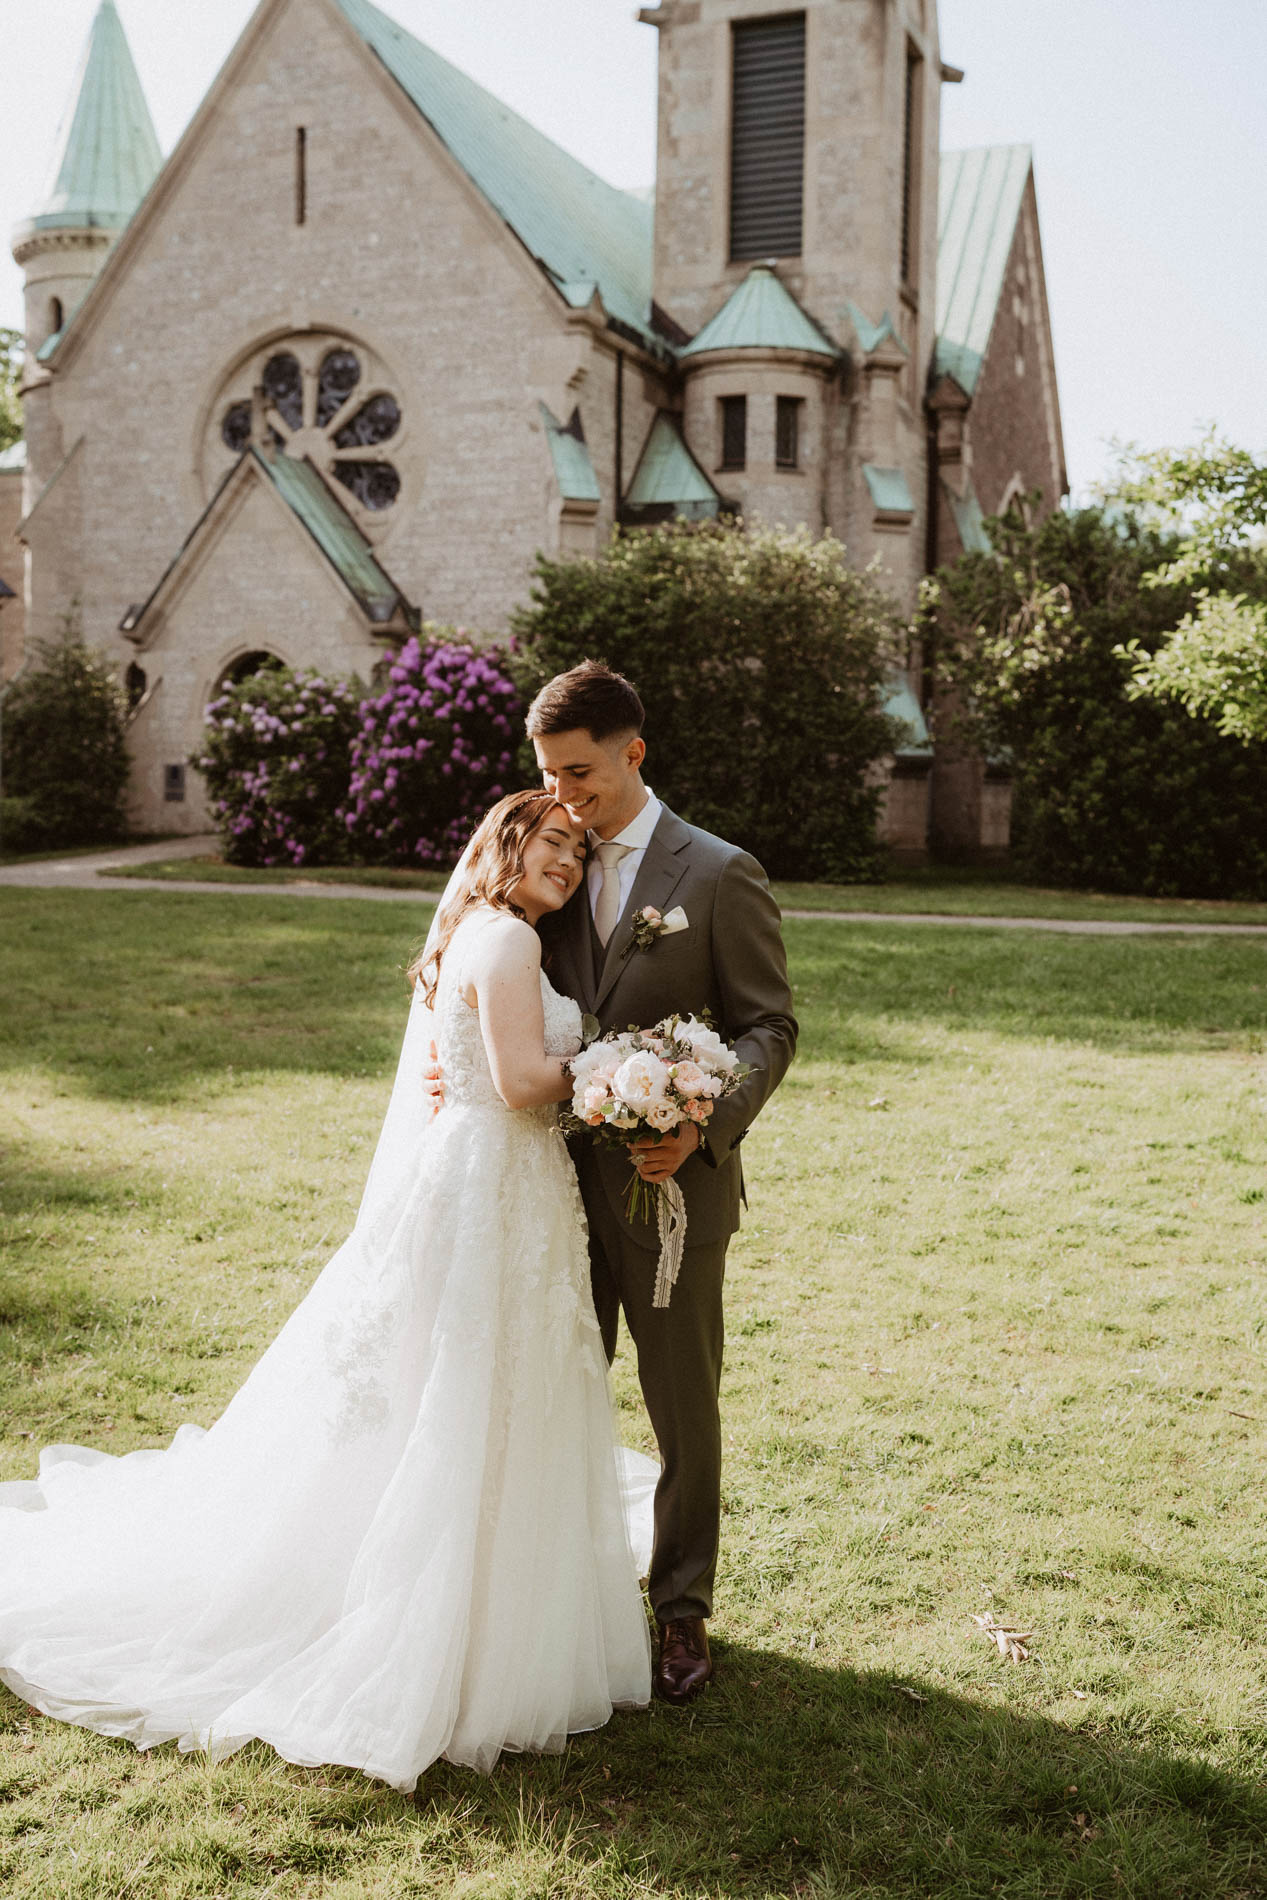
(494, 867)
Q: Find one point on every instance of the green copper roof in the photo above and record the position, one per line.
(335, 533)
(760, 315)
(14, 457)
(573, 470)
(872, 335)
(980, 201)
(107, 153)
(889, 490)
(969, 521)
(668, 475)
(900, 703)
(580, 228)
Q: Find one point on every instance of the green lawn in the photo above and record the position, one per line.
(937, 889)
(996, 1344)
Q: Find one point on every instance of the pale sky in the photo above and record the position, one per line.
(1146, 117)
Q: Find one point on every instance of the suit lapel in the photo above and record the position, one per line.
(661, 871)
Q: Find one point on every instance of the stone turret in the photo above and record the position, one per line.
(797, 173)
(106, 158)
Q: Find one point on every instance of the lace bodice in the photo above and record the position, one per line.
(468, 1080)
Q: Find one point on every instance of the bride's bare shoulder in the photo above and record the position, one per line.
(503, 941)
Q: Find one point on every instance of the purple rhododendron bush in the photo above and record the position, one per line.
(305, 770)
(434, 748)
(276, 759)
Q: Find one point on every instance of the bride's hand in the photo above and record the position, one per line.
(433, 1080)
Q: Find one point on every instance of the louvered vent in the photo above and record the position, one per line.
(767, 138)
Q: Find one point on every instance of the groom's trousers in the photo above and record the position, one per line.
(679, 1350)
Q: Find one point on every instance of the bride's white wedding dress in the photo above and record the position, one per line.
(404, 1538)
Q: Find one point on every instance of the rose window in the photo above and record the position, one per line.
(325, 399)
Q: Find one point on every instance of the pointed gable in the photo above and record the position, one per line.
(668, 480)
(107, 154)
(980, 201)
(583, 231)
(327, 524)
(761, 314)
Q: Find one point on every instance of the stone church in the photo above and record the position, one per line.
(367, 341)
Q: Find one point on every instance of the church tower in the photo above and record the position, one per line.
(795, 241)
(106, 158)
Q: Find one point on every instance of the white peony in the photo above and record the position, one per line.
(639, 1081)
(663, 1115)
(707, 1046)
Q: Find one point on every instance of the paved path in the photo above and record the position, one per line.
(86, 874)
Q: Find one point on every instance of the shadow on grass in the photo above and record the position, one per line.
(791, 1778)
(787, 1779)
(152, 998)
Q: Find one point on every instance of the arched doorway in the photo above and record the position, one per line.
(245, 667)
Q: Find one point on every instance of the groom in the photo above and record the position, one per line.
(585, 726)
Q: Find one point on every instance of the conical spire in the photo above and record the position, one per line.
(107, 154)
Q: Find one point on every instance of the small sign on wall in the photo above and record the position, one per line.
(174, 784)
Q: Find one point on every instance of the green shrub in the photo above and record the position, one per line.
(65, 762)
(1111, 792)
(276, 761)
(760, 656)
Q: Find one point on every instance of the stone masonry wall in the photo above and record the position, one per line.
(399, 251)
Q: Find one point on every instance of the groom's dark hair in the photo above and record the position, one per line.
(588, 698)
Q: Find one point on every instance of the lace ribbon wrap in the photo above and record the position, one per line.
(670, 1214)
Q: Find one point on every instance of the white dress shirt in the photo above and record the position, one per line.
(637, 835)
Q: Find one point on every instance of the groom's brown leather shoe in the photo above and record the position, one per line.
(685, 1667)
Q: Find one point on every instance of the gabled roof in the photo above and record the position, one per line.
(573, 469)
(872, 335)
(668, 476)
(889, 490)
(900, 703)
(979, 203)
(761, 314)
(298, 485)
(969, 520)
(336, 534)
(584, 231)
(107, 154)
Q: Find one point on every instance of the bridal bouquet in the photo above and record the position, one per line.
(636, 1082)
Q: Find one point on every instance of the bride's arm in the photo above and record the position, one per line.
(505, 974)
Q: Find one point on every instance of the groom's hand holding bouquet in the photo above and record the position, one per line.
(644, 1086)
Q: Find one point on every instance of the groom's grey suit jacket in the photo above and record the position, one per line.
(729, 960)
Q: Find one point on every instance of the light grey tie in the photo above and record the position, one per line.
(607, 910)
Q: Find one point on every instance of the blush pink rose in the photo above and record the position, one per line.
(689, 1078)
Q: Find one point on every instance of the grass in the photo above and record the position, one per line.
(996, 1343)
(940, 889)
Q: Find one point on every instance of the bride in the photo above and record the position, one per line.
(404, 1539)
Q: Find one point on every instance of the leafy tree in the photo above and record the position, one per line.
(10, 375)
(1113, 790)
(65, 759)
(1214, 664)
(760, 656)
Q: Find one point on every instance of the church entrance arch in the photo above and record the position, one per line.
(245, 667)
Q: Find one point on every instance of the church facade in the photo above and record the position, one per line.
(367, 341)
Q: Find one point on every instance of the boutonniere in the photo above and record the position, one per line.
(649, 926)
